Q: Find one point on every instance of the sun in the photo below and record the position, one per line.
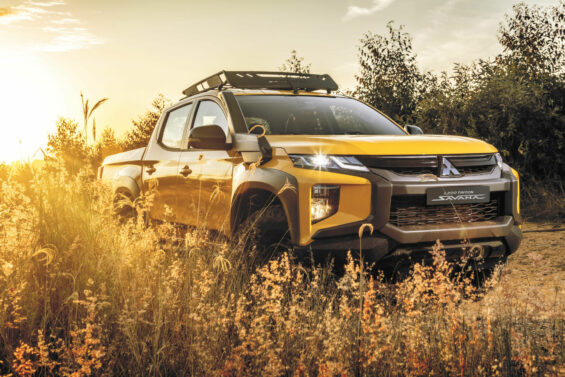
(28, 98)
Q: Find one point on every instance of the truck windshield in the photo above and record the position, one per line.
(312, 115)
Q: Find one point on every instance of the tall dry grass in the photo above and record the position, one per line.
(82, 294)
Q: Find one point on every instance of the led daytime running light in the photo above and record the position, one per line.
(322, 162)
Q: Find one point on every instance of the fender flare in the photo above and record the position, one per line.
(281, 185)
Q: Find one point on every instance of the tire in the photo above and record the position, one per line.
(267, 230)
(123, 204)
(488, 271)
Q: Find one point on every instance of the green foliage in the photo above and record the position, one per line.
(295, 64)
(523, 118)
(68, 145)
(106, 146)
(139, 134)
(389, 78)
(534, 38)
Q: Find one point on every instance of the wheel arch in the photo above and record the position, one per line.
(268, 186)
(126, 184)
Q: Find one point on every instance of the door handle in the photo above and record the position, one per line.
(150, 170)
(185, 171)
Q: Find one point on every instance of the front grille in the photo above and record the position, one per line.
(475, 169)
(411, 210)
(418, 165)
(413, 171)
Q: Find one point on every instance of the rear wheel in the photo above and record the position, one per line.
(124, 206)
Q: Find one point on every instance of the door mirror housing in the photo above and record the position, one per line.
(210, 136)
(413, 130)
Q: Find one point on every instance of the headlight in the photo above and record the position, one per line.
(322, 162)
(498, 158)
(324, 202)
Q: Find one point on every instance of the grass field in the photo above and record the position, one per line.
(82, 294)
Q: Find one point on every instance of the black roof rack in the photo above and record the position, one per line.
(263, 80)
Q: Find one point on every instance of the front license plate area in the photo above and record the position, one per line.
(457, 195)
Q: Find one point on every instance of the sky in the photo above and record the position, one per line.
(131, 50)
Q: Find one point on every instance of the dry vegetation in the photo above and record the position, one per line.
(82, 294)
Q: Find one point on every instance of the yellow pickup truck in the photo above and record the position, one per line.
(308, 167)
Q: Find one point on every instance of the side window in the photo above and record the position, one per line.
(174, 127)
(210, 113)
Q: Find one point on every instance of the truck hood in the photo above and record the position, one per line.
(379, 144)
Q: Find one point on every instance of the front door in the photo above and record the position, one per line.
(205, 192)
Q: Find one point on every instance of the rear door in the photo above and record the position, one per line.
(205, 192)
(160, 165)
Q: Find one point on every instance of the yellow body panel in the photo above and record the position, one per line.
(354, 200)
(518, 199)
(379, 144)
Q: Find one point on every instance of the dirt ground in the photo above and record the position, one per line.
(536, 272)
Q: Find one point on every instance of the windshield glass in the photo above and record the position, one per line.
(310, 115)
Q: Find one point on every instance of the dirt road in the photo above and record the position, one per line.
(536, 272)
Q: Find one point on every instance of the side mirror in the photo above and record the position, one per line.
(208, 137)
(413, 130)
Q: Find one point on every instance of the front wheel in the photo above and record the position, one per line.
(267, 230)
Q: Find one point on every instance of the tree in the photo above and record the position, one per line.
(389, 78)
(87, 113)
(138, 136)
(68, 145)
(106, 146)
(534, 38)
(295, 64)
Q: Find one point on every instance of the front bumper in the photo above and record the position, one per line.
(497, 237)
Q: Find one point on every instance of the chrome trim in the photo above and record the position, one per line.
(447, 169)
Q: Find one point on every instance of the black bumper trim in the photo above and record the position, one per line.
(385, 251)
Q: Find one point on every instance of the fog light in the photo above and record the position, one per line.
(324, 202)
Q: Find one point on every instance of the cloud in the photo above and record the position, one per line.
(68, 38)
(65, 21)
(456, 32)
(46, 4)
(56, 30)
(355, 11)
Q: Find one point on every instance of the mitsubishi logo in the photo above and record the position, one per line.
(447, 169)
